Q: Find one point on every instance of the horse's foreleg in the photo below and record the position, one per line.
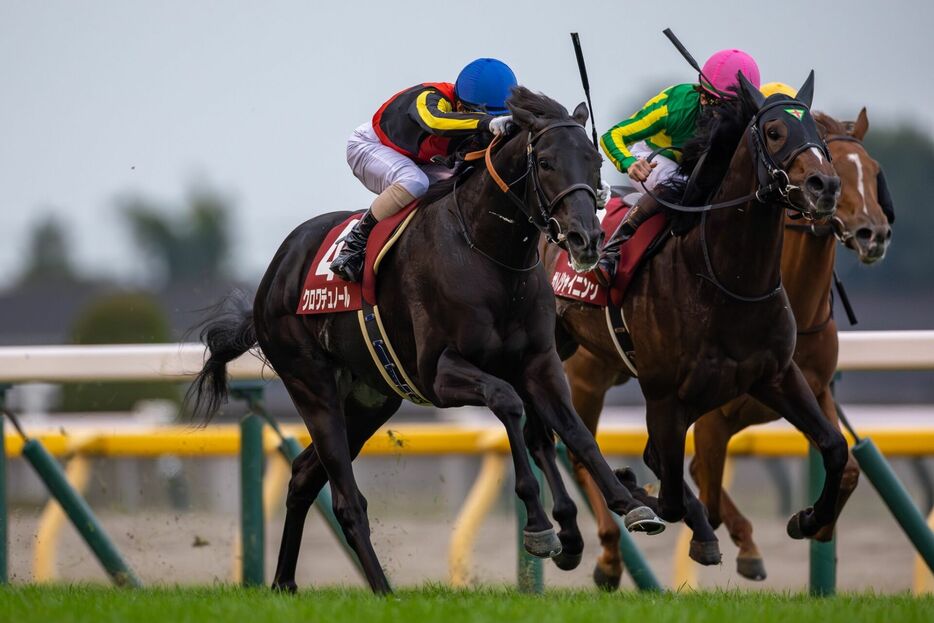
(667, 422)
(590, 378)
(541, 444)
(791, 397)
(459, 382)
(850, 472)
(546, 388)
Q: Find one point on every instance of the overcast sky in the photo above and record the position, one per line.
(103, 98)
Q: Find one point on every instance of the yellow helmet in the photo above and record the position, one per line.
(771, 88)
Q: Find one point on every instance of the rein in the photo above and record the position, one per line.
(771, 180)
(540, 218)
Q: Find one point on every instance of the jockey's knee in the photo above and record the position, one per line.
(392, 200)
(414, 181)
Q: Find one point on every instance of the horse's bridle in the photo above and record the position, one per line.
(772, 180)
(540, 215)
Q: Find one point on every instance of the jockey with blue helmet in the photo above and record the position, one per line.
(395, 154)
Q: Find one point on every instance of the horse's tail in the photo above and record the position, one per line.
(227, 333)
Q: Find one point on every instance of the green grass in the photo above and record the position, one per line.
(22, 604)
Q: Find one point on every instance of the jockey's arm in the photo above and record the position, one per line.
(647, 122)
(436, 115)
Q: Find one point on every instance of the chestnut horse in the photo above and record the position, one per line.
(471, 314)
(709, 318)
(862, 224)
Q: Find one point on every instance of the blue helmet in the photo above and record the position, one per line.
(485, 84)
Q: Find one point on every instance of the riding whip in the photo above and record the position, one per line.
(690, 59)
(585, 82)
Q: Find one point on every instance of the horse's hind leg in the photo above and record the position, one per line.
(712, 434)
(541, 444)
(667, 421)
(313, 388)
(309, 476)
(458, 382)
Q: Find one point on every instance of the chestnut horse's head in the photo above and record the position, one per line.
(563, 175)
(790, 153)
(864, 211)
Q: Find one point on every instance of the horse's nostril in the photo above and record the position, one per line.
(888, 233)
(815, 184)
(575, 239)
(864, 233)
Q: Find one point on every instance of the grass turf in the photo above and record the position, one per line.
(22, 604)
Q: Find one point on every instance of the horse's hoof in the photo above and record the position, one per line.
(605, 582)
(566, 561)
(626, 477)
(799, 526)
(705, 552)
(544, 544)
(644, 519)
(289, 588)
(751, 568)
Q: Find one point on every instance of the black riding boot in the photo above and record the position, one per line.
(605, 271)
(348, 265)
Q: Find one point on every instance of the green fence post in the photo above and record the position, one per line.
(633, 559)
(4, 536)
(290, 449)
(530, 573)
(252, 529)
(823, 566)
(893, 493)
(79, 512)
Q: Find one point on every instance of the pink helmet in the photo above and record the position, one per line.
(721, 69)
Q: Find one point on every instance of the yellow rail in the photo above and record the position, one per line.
(431, 439)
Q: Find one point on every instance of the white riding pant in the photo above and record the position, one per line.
(664, 170)
(379, 166)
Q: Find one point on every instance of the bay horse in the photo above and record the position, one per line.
(708, 316)
(467, 305)
(808, 256)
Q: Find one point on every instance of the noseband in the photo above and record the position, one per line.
(540, 215)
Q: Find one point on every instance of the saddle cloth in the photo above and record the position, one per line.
(325, 293)
(569, 284)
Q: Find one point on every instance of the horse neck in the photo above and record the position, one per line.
(745, 242)
(807, 273)
(487, 211)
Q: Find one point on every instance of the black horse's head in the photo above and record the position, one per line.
(790, 150)
(564, 171)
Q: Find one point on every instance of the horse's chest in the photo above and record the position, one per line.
(717, 376)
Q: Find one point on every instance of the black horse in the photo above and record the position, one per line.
(470, 312)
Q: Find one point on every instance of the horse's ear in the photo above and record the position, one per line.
(806, 92)
(749, 92)
(859, 128)
(580, 113)
(523, 118)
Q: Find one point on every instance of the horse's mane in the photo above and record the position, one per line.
(537, 104)
(720, 126)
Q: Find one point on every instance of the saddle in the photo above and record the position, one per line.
(323, 292)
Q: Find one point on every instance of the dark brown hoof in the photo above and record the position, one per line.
(566, 561)
(801, 524)
(705, 552)
(751, 568)
(644, 519)
(285, 587)
(605, 582)
(544, 544)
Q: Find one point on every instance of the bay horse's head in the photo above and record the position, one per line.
(791, 157)
(563, 173)
(865, 210)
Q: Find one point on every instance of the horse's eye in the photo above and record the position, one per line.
(544, 164)
(773, 134)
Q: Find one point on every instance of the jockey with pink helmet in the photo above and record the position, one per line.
(665, 123)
